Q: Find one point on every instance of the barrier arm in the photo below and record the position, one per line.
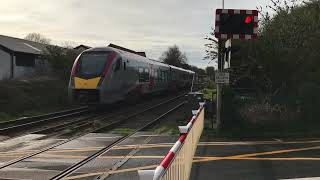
(177, 164)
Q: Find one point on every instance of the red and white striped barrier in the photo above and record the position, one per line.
(178, 162)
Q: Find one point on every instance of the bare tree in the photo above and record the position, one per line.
(211, 47)
(174, 56)
(37, 37)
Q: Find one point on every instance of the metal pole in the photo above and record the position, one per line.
(219, 86)
(222, 4)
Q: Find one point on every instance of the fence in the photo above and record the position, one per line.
(177, 164)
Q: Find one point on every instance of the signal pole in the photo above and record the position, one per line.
(219, 86)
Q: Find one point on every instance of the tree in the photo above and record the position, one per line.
(211, 47)
(61, 60)
(37, 37)
(174, 56)
(210, 71)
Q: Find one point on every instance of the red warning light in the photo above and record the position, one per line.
(248, 20)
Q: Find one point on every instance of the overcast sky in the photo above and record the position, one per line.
(141, 25)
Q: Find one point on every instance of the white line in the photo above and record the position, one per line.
(309, 178)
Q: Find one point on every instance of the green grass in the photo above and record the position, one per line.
(30, 98)
(124, 131)
(167, 129)
(207, 93)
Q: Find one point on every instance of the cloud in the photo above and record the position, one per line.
(144, 25)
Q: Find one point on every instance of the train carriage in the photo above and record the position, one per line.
(106, 75)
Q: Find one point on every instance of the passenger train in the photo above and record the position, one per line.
(105, 75)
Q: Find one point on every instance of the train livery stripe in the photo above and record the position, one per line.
(109, 63)
(80, 83)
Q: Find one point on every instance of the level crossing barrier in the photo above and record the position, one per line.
(177, 164)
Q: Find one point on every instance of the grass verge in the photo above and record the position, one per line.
(22, 98)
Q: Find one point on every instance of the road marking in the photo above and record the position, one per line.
(277, 152)
(112, 172)
(205, 159)
(199, 159)
(279, 140)
(163, 145)
(308, 178)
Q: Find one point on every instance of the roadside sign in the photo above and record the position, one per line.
(222, 78)
(236, 24)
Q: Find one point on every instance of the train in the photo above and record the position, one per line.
(105, 75)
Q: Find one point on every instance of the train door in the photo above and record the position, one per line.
(118, 78)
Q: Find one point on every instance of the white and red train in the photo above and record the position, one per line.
(105, 75)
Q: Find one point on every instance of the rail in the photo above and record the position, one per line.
(177, 164)
(7, 125)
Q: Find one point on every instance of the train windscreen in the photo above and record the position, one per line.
(92, 64)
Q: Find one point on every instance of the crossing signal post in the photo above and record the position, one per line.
(232, 24)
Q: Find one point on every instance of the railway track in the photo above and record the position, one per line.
(109, 125)
(142, 126)
(24, 123)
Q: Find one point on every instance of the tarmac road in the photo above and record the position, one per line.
(265, 160)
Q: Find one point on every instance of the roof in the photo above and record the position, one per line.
(127, 50)
(22, 45)
(82, 46)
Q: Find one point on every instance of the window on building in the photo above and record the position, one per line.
(26, 60)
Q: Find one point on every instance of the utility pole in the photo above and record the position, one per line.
(219, 86)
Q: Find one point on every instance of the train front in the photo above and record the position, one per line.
(89, 75)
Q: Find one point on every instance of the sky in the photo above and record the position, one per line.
(142, 25)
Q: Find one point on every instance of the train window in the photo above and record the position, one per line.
(141, 78)
(156, 75)
(118, 65)
(124, 66)
(143, 75)
(92, 64)
(159, 75)
(146, 74)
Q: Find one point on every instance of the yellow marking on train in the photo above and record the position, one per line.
(80, 83)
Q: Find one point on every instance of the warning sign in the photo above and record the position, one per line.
(222, 78)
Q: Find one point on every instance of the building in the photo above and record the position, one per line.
(20, 57)
(128, 50)
(81, 48)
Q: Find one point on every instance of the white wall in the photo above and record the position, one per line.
(5, 65)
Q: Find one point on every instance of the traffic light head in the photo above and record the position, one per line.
(236, 23)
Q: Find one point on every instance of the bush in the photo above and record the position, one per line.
(20, 98)
(61, 60)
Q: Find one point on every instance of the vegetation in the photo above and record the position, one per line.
(27, 98)
(37, 95)
(279, 71)
(61, 60)
(175, 57)
(36, 37)
(209, 93)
